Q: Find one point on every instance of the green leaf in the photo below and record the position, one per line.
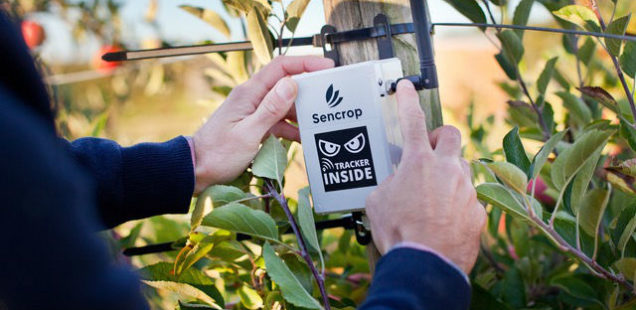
(628, 133)
(627, 167)
(546, 75)
(242, 219)
(249, 297)
(259, 35)
(587, 50)
(191, 306)
(512, 46)
(560, 78)
(291, 288)
(507, 66)
(209, 16)
(601, 96)
(307, 222)
(592, 209)
(570, 161)
(626, 235)
(163, 272)
(579, 111)
(237, 66)
(514, 292)
(129, 241)
(198, 246)
(216, 196)
(183, 289)
(565, 226)
(542, 156)
(515, 153)
(271, 160)
(300, 269)
(576, 287)
(581, 181)
(499, 2)
(628, 59)
(195, 278)
(627, 266)
(522, 14)
(213, 197)
(621, 181)
(481, 299)
(228, 251)
(618, 27)
(500, 197)
(510, 175)
(241, 5)
(470, 9)
(580, 16)
(294, 12)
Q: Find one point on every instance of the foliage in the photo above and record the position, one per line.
(559, 247)
(560, 193)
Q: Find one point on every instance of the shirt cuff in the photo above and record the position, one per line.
(421, 247)
(194, 159)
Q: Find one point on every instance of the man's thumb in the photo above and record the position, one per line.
(412, 120)
(274, 106)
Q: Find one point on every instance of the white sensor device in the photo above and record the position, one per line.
(349, 131)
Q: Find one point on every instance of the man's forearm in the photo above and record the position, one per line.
(139, 181)
(410, 279)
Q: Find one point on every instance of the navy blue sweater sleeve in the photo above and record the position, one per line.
(51, 257)
(409, 279)
(139, 181)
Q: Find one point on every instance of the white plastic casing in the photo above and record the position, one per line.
(349, 131)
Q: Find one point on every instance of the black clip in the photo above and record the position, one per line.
(385, 43)
(363, 236)
(333, 52)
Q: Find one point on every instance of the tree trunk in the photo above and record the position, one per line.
(354, 14)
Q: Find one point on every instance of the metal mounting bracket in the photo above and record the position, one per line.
(363, 235)
(385, 43)
(332, 53)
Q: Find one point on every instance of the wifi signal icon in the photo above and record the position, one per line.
(326, 164)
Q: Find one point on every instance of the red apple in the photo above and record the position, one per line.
(539, 191)
(32, 33)
(105, 66)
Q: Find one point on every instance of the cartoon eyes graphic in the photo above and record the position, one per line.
(328, 148)
(354, 145)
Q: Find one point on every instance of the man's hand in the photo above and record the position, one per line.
(229, 140)
(430, 199)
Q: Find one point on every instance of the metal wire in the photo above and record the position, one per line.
(541, 29)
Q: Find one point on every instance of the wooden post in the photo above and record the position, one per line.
(354, 14)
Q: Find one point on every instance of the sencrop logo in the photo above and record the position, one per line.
(333, 99)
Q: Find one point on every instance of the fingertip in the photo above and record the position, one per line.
(407, 95)
(320, 63)
(287, 89)
(405, 85)
(327, 61)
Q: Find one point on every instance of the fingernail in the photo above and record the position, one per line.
(286, 89)
(406, 84)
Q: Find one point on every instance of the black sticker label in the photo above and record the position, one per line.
(345, 159)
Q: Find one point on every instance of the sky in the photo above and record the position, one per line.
(181, 28)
